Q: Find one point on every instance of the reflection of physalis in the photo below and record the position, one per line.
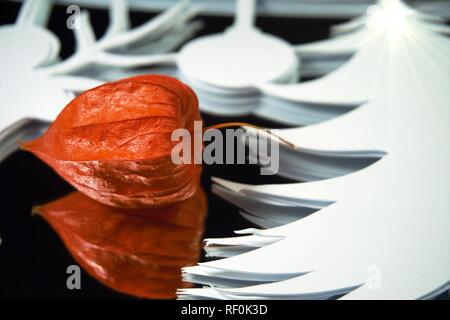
(134, 251)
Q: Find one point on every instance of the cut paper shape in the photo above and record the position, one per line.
(324, 56)
(383, 231)
(282, 100)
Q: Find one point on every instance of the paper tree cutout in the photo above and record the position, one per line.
(381, 232)
(323, 56)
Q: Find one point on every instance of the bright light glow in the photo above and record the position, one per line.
(389, 14)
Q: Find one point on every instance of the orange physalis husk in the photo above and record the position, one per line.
(113, 142)
(134, 251)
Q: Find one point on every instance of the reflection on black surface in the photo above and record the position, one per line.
(34, 260)
(135, 251)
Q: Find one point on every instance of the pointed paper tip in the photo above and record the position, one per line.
(248, 231)
(36, 211)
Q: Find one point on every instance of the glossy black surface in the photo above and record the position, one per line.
(33, 260)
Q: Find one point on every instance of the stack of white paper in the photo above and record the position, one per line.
(245, 71)
(380, 232)
(224, 69)
(324, 56)
(242, 71)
